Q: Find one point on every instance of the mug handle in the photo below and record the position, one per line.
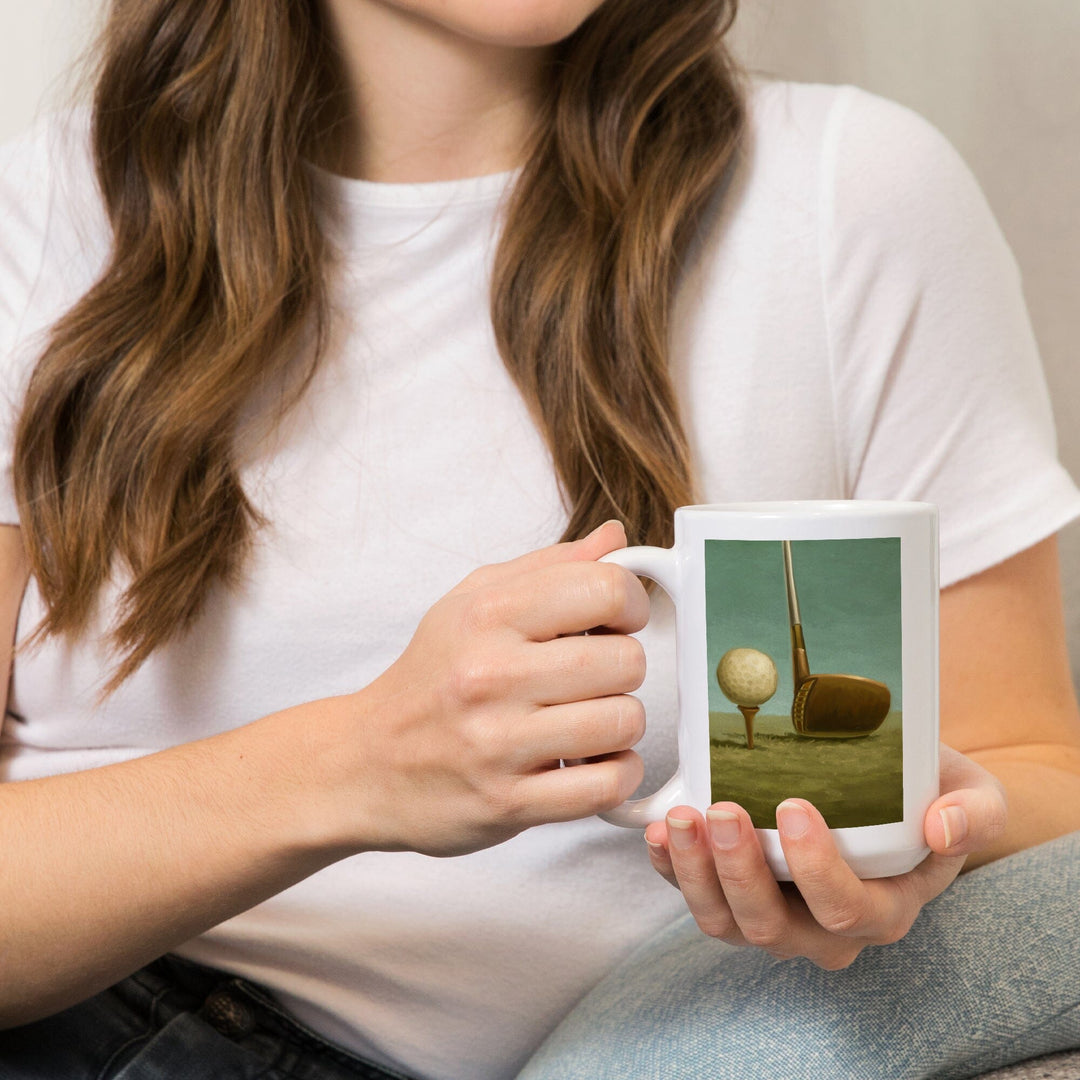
(662, 566)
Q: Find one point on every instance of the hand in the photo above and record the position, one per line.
(457, 746)
(826, 914)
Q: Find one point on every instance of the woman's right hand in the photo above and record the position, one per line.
(454, 748)
(457, 746)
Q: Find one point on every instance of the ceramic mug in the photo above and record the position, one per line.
(807, 660)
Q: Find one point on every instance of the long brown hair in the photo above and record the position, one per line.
(204, 114)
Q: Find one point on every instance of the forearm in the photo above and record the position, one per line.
(104, 870)
(1042, 784)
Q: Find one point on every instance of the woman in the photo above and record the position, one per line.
(286, 494)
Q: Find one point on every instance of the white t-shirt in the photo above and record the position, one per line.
(851, 326)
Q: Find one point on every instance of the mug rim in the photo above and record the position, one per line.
(809, 508)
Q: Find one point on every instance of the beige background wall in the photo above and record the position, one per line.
(995, 75)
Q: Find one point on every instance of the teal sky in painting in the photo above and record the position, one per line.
(849, 600)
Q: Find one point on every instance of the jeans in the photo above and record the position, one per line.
(989, 975)
(175, 1020)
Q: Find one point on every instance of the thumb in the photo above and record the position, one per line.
(604, 538)
(971, 812)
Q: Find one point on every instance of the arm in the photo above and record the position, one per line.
(454, 748)
(110, 867)
(1007, 699)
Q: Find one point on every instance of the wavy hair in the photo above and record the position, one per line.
(204, 114)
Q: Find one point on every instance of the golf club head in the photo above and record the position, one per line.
(839, 706)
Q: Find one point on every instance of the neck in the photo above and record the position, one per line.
(423, 103)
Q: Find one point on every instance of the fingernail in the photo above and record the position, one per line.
(681, 833)
(723, 828)
(656, 849)
(792, 820)
(955, 823)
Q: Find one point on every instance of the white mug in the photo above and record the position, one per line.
(807, 658)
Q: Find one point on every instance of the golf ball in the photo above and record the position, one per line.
(746, 676)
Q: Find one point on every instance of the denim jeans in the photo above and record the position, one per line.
(175, 1020)
(989, 975)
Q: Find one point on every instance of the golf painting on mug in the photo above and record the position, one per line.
(804, 670)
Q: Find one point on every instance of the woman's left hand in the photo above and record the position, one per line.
(826, 913)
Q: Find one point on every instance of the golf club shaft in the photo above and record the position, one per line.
(799, 664)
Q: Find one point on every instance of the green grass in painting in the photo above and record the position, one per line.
(853, 782)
